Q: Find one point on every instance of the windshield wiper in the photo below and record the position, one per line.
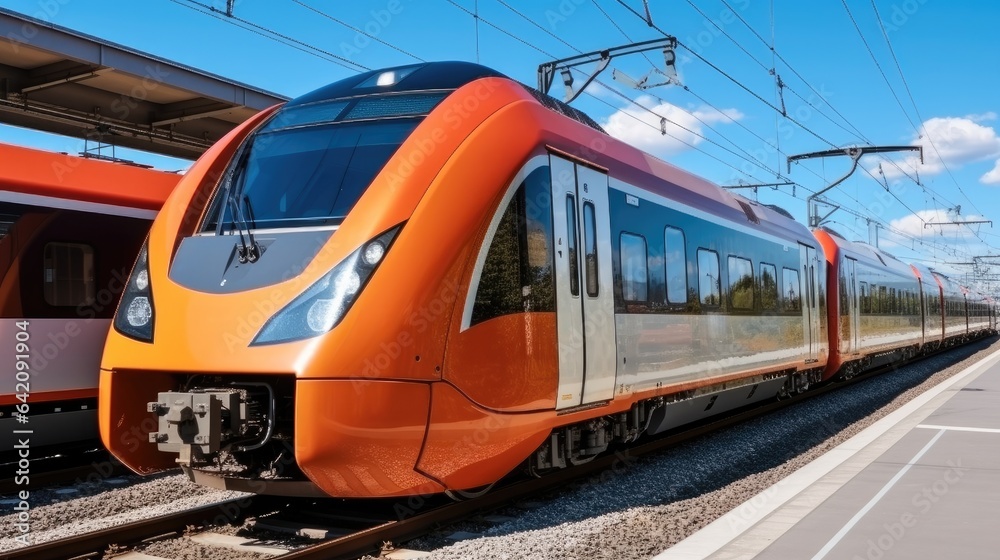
(247, 252)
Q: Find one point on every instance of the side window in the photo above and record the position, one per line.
(517, 275)
(768, 287)
(790, 296)
(571, 246)
(633, 262)
(590, 249)
(68, 274)
(709, 283)
(866, 304)
(677, 285)
(740, 283)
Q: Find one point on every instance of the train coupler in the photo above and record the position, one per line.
(192, 424)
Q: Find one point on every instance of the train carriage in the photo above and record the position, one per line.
(953, 310)
(875, 312)
(417, 280)
(978, 312)
(69, 231)
(931, 298)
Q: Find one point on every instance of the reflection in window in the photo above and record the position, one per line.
(673, 239)
(305, 176)
(517, 275)
(866, 303)
(633, 262)
(740, 283)
(590, 248)
(768, 287)
(709, 283)
(68, 274)
(790, 290)
(571, 244)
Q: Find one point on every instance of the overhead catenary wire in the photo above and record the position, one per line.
(618, 93)
(356, 30)
(886, 226)
(877, 65)
(909, 93)
(748, 157)
(729, 77)
(798, 75)
(209, 10)
(606, 86)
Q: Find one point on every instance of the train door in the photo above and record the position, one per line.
(584, 293)
(810, 301)
(853, 307)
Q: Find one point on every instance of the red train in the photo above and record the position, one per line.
(420, 279)
(69, 231)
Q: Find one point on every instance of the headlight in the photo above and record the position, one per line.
(134, 317)
(324, 304)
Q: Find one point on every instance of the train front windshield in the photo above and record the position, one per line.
(310, 164)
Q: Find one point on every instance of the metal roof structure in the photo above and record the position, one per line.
(65, 82)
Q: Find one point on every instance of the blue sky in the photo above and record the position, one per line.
(834, 96)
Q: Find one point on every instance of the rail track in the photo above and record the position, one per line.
(66, 466)
(360, 528)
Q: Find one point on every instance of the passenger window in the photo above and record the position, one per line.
(709, 283)
(590, 248)
(68, 274)
(866, 306)
(633, 262)
(676, 263)
(517, 275)
(790, 290)
(571, 244)
(768, 287)
(740, 283)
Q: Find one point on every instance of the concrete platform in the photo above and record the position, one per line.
(923, 482)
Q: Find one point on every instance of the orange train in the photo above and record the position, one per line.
(420, 279)
(69, 231)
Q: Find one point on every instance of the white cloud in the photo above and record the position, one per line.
(992, 177)
(641, 128)
(957, 141)
(914, 225)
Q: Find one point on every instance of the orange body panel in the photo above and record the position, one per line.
(468, 446)
(482, 354)
(37, 172)
(832, 253)
(357, 438)
(124, 426)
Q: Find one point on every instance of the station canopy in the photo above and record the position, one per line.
(58, 80)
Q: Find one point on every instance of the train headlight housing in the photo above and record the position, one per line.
(324, 304)
(134, 317)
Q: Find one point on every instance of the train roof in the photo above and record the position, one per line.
(59, 180)
(948, 286)
(865, 252)
(412, 77)
(627, 162)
